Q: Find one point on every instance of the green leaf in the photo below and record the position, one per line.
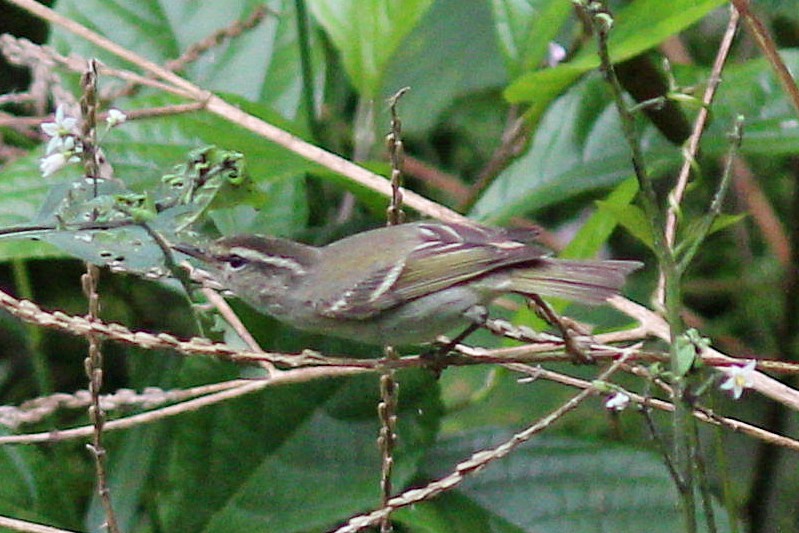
(636, 28)
(525, 28)
(141, 152)
(28, 490)
(724, 221)
(561, 484)
(452, 512)
(262, 64)
(597, 229)
(367, 34)
(633, 219)
(291, 458)
(22, 192)
(693, 230)
(578, 146)
(450, 53)
(687, 348)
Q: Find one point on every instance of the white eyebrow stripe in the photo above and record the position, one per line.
(273, 260)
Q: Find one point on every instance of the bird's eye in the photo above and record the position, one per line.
(236, 262)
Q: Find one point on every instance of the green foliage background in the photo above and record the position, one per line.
(303, 457)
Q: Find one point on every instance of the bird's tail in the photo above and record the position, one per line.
(590, 281)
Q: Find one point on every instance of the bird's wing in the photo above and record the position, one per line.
(445, 255)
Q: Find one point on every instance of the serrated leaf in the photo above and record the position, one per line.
(141, 152)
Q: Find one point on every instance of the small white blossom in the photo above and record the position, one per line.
(53, 163)
(56, 144)
(738, 378)
(62, 126)
(618, 401)
(65, 152)
(115, 118)
(555, 54)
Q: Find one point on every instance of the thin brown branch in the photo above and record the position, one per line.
(93, 363)
(512, 141)
(436, 178)
(302, 375)
(703, 415)
(36, 409)
(692, 149)
(94, 371)
(763, 213)
(389, 388)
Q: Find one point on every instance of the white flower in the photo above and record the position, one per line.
(62, 126)
(618, 401)
(57, 144)
(64, 152)
(115, 118)
(738, 378)
(555, 54)
(53, 163)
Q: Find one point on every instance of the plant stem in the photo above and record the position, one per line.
(602, 22)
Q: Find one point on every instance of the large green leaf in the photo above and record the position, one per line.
(636, 28)
(559, 484)
(29, 491)
(367, 34)
(294, 458)
(578, 144)
(577, 147)
(451, 52)
(261, 65)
